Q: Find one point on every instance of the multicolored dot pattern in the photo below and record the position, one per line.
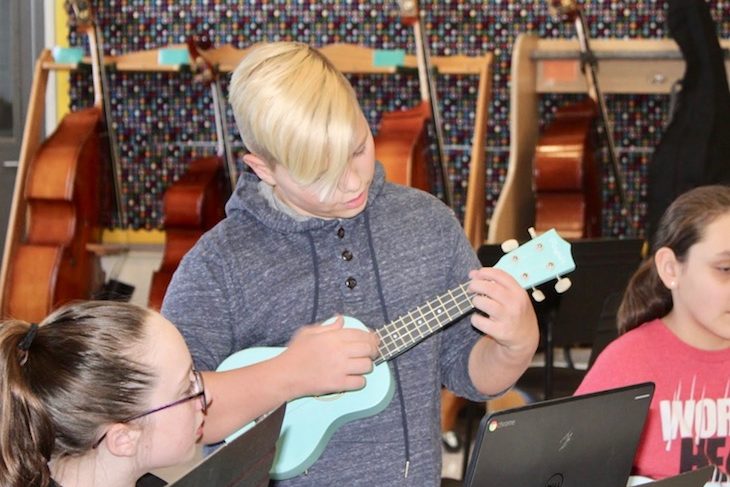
(163, 121)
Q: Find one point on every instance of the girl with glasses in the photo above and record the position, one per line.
(99, 393)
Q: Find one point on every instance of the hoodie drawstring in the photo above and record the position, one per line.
(315, 269)
(396, 370)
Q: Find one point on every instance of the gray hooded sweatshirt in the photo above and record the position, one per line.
(261, 273)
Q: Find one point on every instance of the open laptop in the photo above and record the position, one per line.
(244, 462)
(576, 441)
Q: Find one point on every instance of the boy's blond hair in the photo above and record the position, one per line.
(294, 108)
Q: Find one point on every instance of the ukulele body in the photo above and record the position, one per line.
(309, 422)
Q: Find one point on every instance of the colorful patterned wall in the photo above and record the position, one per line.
(164, 120)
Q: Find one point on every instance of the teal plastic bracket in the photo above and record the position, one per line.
(389, 57)
(173, 56)
(67, 55)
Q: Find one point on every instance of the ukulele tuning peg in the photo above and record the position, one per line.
(538, 295)
(509, 245)
(532, 232)
(563, 284)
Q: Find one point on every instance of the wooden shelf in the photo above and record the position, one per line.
(638, 66)
(348, 58)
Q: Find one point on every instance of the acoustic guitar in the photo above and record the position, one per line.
(309, 422)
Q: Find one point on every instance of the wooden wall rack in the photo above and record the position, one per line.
(346, 57)
(627, 66)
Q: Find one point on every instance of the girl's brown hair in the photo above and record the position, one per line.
(682, 225)
(81, 371)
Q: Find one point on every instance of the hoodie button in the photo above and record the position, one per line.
(347, 256)
(351, 282)
(341, 232)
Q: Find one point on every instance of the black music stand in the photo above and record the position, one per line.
(603, 267)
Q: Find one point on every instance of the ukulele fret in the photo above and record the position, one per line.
(466, 301)
(424, 322)
(411, 326)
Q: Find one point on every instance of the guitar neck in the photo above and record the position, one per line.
(537, 261)
(401, 334)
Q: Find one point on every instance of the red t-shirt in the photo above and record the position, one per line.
(688, 425)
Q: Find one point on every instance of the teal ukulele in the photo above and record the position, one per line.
(309, 422)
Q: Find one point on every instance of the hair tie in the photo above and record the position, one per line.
(26, 342)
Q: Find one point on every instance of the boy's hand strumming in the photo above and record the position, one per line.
(322, 359)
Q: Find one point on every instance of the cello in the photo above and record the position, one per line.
(566, 175)
(402, 144)
(196, 201)
(48, 261)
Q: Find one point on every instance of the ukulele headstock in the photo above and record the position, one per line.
(542, 258)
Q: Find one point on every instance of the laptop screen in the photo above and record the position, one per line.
(587, 440)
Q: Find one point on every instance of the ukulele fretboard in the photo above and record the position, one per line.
(402, 333)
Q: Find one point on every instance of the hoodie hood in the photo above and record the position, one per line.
(248, 198)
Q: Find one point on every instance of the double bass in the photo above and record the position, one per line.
(196, 201)
(402, 141)
(58, 206)
(566, 175)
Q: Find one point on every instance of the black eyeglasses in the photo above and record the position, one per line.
(198, 392)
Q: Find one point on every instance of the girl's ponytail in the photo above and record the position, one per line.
(26, 431)
(645, 298)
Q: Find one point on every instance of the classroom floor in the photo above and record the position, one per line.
(452, 466)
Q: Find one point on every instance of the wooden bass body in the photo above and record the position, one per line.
(402, 144)
(566, 177)
(52, 264)
(192, 206)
